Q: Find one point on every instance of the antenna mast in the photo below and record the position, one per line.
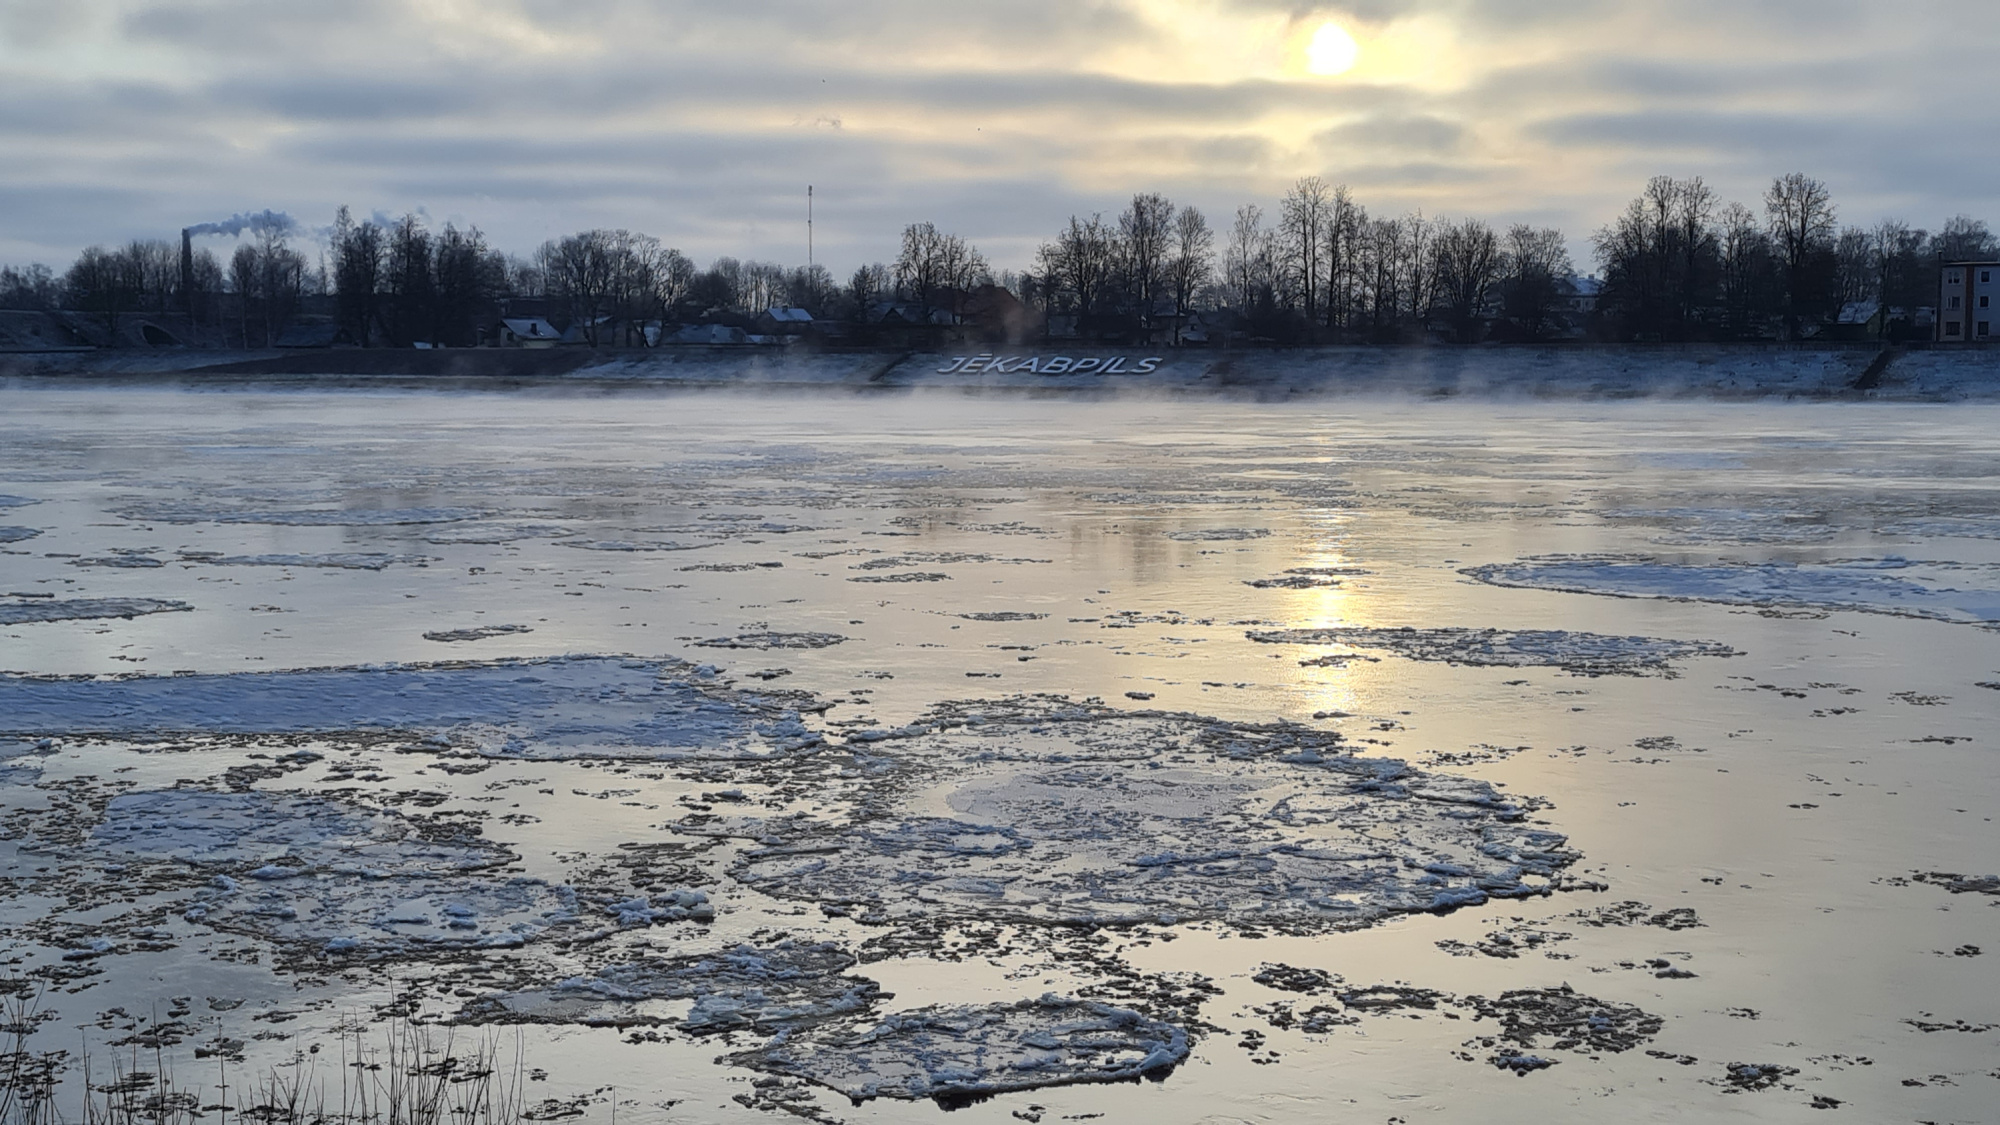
(809, 226)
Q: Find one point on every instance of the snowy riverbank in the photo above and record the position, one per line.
(1707, 371)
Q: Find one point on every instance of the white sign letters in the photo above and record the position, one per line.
(1049, 365)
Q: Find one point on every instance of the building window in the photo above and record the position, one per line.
(1985, 276)
(1985, 328)
(1951, 328)
(1985, 302)
(1952, 304)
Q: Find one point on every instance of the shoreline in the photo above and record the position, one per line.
(1835, 372)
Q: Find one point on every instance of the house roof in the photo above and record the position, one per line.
(531, 328)
(785, 315)
(1858, 312)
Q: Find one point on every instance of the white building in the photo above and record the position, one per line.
(1966, 300)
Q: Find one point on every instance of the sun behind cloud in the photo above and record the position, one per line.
(1332, 50)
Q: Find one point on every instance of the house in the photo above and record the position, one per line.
(1860, 320)
(1965, 311)
(1583, 295)
(525, 332)
(781, 321)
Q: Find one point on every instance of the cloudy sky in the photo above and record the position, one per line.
(702, 121)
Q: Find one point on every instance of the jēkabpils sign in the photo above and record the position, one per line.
(1049, 365)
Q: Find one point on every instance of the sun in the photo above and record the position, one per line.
(1332, 50)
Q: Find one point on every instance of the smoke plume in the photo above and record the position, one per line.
(256, 222)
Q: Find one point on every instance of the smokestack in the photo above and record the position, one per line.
(187, 272)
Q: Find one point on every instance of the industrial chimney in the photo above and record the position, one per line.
(187, 273)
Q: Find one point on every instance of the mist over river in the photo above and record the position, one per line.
(716, 755)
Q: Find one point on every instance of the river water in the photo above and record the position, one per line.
(967, 692)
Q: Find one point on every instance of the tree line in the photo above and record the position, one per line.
(1678, 263)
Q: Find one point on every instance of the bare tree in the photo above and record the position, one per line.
(1468, 258)
(1345, 220)
(158, 266)
(1190, 263)
(357, 274)
(1079, 263)
(1964, 239)
(1145, 233)
(1799, 212)
(579, 272)
(408, 284)
(1536, 270)
(868, 286)
(1744, 256)
(106, 283)
(32, 287)
(243, 274)
(468, 276)
(1247, 261)
(1420, 241)
(1854, 261)
(933, 262)
(281, 279)
(1305, 218)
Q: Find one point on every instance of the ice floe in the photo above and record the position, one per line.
(1591, 654)
(84, 609)
(1219, 534)
(1086, 815)
(479, 633)
(1888, 585)
(337, 561)
(488, 533)
(742, 988)
(773, 640)
(296, 517)
(954, 1053)
(310, 871)
(18, 534)
(565, 707)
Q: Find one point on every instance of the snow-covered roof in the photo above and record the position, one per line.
(784, 315)
(531, 328)
(1859, 312)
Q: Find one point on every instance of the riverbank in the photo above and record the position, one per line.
(1585, 372)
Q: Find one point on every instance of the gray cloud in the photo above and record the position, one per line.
(702, 123)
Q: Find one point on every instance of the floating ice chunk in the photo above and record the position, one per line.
(130, 561)
(298, 517)
(629, 546)
(245, 831)
(495, 533)
(558, 708)
(89, 949)
(1590, 654)
(1219, 534)
(952, 1053)
(1893, 586)
(336, 561)
(343, 869)
(83, 609)
(18, 534)
(745, 987)
(1086, 815)
(774, 640)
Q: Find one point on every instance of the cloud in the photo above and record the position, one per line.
(701, 123)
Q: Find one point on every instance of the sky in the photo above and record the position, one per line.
(703, 122)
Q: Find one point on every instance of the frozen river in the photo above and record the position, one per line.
(857, 758)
